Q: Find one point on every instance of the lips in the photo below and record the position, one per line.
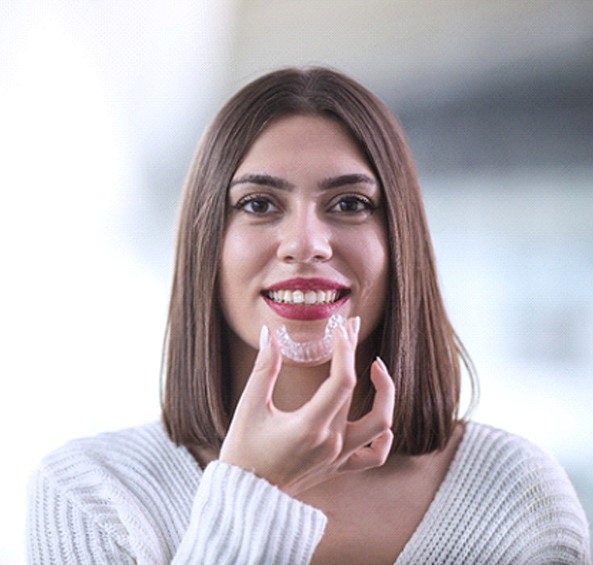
(306, 298)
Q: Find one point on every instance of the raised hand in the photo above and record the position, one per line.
(297, 450)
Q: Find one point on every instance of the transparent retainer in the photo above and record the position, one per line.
(308, 351)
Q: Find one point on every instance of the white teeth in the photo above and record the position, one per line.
(309, 297)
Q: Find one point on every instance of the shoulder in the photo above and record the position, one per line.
(504, 500)
(124, 463)
(506, 465)
(129, 491)
(501, 448)
(133, 449)
(510, 482)
(492, 455)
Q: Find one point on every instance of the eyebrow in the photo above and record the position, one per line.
(345, 180)
(325, 184)
(264, 180)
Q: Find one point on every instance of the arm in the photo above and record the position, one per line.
(61, 530)
(80, 513)
(270, 456)
(98, 510)
(240, 518)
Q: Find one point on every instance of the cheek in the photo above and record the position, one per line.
(374, 257)
(378, 277)
(230, 272)
(241, 260)
(229, 253)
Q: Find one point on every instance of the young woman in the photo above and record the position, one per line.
(312, 375)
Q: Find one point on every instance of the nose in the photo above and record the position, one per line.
(304, 238)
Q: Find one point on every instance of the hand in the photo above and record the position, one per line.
(298, 450)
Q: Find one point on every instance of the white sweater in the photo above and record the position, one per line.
(135, 497)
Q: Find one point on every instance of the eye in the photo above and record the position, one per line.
(353, 204)
(256, 204)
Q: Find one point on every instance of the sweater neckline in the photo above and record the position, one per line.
(437, 505)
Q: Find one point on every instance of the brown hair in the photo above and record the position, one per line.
(417, 341)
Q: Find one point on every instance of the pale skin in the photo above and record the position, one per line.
(291, 421)
(300, 449)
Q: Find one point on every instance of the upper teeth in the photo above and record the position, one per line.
(308, 297)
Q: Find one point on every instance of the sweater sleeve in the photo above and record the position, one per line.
(61, 530)
(84, 511)
(240, 518)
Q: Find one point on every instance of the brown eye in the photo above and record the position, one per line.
(353, 205)
(257, 205)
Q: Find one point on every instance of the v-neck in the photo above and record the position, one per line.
(449, 483)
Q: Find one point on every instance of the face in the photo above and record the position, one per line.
(305, 236)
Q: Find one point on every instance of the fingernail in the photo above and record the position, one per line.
(264, 337)
(382, 364)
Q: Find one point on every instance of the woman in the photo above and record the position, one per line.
(312, 376)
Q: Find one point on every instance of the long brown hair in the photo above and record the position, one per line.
(417, 341)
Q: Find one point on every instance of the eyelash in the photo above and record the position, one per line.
(252, 198)
(367, 204)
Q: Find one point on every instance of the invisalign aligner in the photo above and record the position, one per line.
(308, 351)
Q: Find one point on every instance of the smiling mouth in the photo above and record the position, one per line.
(306, 297)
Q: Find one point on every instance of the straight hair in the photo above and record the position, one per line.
(416, 338)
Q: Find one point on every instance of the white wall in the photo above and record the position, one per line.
(91, 94)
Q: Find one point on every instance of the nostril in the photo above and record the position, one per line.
(305, 249)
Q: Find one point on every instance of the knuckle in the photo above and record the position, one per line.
(382, 458)
(379, 456)
(313, 438)
(348, 382)
(333, 451)
(327, 443)
(382, 424)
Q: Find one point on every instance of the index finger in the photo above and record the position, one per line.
(335, 394)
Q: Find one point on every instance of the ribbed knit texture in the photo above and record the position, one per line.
(135, 497)
(503, 501)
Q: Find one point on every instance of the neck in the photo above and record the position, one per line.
(296, 385)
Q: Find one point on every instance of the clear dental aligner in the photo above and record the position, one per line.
(308, 351)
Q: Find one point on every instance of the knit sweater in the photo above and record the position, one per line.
(135, 497)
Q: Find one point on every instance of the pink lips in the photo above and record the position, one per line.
(301, 283)
(306, 311)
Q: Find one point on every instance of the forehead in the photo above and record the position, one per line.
(302, 138)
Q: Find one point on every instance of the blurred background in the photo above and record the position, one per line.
(102, 104)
